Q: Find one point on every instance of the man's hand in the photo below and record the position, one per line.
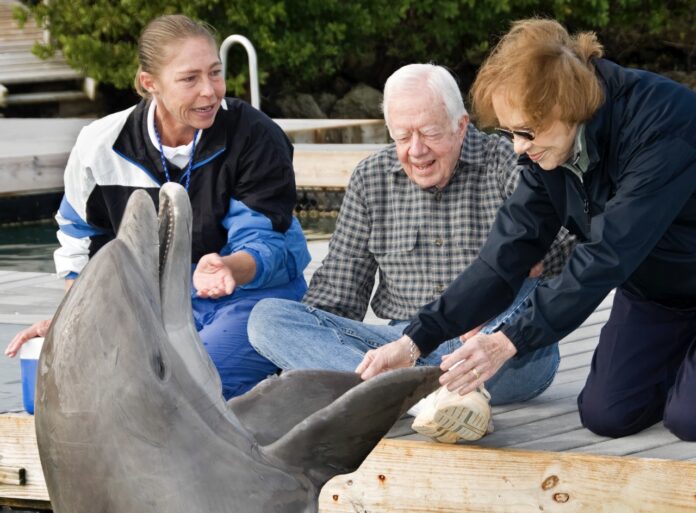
(537, 270)
(479, 358)
(38, 329)
(212, 278)
(394, 355)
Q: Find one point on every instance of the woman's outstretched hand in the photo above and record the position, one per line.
(38, 329)
(212, 278)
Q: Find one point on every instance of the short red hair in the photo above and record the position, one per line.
(539, 67)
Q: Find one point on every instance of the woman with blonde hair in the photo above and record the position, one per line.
(236, 165)
(609, 153)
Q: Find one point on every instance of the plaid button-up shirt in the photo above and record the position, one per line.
(418, 240)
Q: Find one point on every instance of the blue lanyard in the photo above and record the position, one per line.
(187, 174)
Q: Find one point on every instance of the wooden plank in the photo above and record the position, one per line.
(577, 347)
(654, 437)
(575, 360)
(20, 276)
(24, 279)
(554, 392)
(675, 451)
(329, 165)
(34, 174)
(416, 477)
(533, 412)
(13, 476)
(584, 332)
(568, 375)
(18, 449)
(579, 437)
(42, 74)
(511, 436)
(37, 137)
(31, 300)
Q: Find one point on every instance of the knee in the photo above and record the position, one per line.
(681, 421)
(606, 419)
(266, 317)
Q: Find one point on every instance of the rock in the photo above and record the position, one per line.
(688, 79)
(300, 105)
(361, 102)
(341, 86)
(326, 101)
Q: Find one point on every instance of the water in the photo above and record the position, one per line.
(30, 247)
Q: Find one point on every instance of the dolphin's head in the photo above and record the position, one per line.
(130, 415)
(128, 319)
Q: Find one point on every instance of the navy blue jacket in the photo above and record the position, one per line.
(634, 214)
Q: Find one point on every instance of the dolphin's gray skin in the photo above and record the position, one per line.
(130, 417)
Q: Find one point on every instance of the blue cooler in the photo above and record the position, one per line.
(29, 359)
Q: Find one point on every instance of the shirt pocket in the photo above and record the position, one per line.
(469, 238)
(395, 247)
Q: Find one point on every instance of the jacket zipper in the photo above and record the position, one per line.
(585, 200)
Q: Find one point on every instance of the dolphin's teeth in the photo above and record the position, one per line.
(166, 220)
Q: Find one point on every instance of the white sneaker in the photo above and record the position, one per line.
(449, 417)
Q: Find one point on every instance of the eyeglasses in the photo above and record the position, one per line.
(511, 134)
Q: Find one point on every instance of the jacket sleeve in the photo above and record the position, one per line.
(652, 189)
(523, 230)
(259, 218)
(280, 256)
(343, 284)
(507, 171)
(266, 177)
(74, 232)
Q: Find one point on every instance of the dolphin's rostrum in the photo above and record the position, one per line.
(130, 416)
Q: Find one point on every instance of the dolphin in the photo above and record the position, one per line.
(129, 409)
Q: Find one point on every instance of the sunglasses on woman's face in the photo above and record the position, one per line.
(511, 134)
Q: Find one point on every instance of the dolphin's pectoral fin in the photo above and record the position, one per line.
(336, 439)
(278, 404)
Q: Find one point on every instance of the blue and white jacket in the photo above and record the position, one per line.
(242, 190)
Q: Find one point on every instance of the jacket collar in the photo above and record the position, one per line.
(133, 142)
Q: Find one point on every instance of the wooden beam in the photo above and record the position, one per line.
(25, 504)
(329, 165)
(420, 477)
(18, 449)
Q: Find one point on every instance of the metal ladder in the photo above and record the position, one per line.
(253, 66)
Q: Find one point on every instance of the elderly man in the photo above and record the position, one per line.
(417, 212)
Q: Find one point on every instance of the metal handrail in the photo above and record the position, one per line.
(253, 67)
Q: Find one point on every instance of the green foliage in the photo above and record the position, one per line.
(304, 44)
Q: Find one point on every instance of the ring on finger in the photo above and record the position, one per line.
(476, 373)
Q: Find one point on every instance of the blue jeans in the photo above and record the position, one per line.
(297, 336)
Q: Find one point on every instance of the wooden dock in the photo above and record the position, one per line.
(538, 459)
(23, 75)
(33, 152)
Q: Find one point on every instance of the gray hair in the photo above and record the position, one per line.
(439, 81)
